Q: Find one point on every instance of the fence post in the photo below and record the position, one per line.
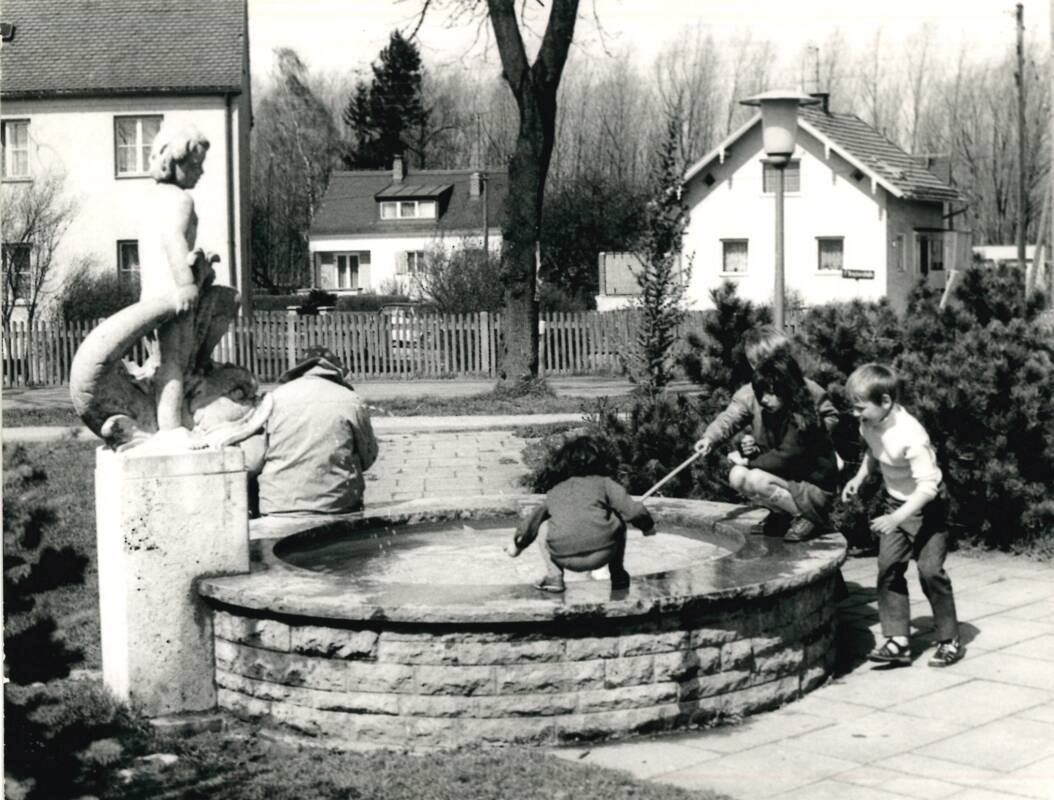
(290, 338)
(484, 343)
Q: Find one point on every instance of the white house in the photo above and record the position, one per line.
(862, 218)
(85, 88)
(375, 228)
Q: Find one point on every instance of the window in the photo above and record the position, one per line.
(830, 253)
(734, 255)
(931, 253)
(128, 263)
(17, 269)
(791, 177)
(132, 138)
(411, 262)
(409, 209)
(15, 135)
(347, 276)
(415, 262)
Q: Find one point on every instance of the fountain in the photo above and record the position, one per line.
(410, 627)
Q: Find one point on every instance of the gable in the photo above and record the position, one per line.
(108, 47)
(887, 165)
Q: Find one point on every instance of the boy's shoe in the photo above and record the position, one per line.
(890, 652)
(550, 584)
(801, 530)
(947, 653)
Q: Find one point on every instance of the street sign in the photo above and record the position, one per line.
(859, 274)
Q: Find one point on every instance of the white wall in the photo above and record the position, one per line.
(385, 251)
(75, 138)
(830, 203)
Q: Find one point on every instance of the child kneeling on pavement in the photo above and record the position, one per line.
(790, 465)
(581, 525)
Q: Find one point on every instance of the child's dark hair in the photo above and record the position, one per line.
(584, 455)
(780, 374)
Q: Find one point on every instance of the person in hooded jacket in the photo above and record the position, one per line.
(316, 445)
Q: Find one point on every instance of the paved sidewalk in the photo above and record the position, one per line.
(982, 729)
(440, 464)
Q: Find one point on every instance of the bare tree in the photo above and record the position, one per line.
(918, 64)
(688, 88)
(295, 146)
(34, 219)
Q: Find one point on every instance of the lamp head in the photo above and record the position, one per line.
(779, 119)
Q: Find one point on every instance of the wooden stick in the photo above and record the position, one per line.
(676, 469)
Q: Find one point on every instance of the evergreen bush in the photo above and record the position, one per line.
(89, 295)
(344, 302)
(978, 373)
(62, 736)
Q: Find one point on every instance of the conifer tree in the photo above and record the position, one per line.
(387, 117)
(663, 274)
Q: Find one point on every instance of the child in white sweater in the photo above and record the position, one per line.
(913, 525)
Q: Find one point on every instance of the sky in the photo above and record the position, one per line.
(346, 35)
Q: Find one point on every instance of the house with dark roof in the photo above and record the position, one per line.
(862, 218)
(85, 86)
(375, 229)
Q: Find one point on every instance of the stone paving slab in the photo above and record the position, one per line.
(982, 729)
(1003, 745)
(896, 782)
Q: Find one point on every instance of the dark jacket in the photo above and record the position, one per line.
(795, 454)
(585, 514)
(745, 409)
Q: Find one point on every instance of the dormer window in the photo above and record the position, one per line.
(408, 209)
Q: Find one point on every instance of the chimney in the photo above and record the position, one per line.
(474, 183)
(397, 170)
(824, 98)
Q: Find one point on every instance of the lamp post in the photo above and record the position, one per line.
(779, 130)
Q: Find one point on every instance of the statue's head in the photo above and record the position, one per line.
(177, 146)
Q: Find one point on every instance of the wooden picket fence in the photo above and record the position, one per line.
(370, 345)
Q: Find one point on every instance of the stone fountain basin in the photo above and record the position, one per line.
(389, 649)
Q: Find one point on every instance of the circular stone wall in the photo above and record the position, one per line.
(438, 662)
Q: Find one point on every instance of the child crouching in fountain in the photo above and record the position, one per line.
(581, 525)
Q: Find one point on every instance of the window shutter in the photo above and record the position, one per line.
(400, 263)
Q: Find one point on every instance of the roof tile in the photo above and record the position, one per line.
(349, 206)
(879, 154)
(84, 47)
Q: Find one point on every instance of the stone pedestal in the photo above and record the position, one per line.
(162, 521)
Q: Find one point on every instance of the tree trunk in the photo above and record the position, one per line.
(527, 172)
(534, 87)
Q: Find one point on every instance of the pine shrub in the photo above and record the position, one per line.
(62, 736)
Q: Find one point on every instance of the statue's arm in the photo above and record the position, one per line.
(254, 448)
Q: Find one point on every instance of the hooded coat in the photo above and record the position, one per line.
(316, 445)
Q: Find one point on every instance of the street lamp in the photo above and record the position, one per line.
(779, 129)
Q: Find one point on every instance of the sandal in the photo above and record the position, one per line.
(891, 652)
(550, 584)
(947, 653)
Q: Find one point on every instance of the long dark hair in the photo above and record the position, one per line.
(779, 374)
(584, 455)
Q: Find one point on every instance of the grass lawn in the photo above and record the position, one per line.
(427, 406)
(239, 763)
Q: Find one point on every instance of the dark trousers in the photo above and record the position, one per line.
(922, 537)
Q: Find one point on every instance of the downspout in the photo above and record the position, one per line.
(228, 135)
